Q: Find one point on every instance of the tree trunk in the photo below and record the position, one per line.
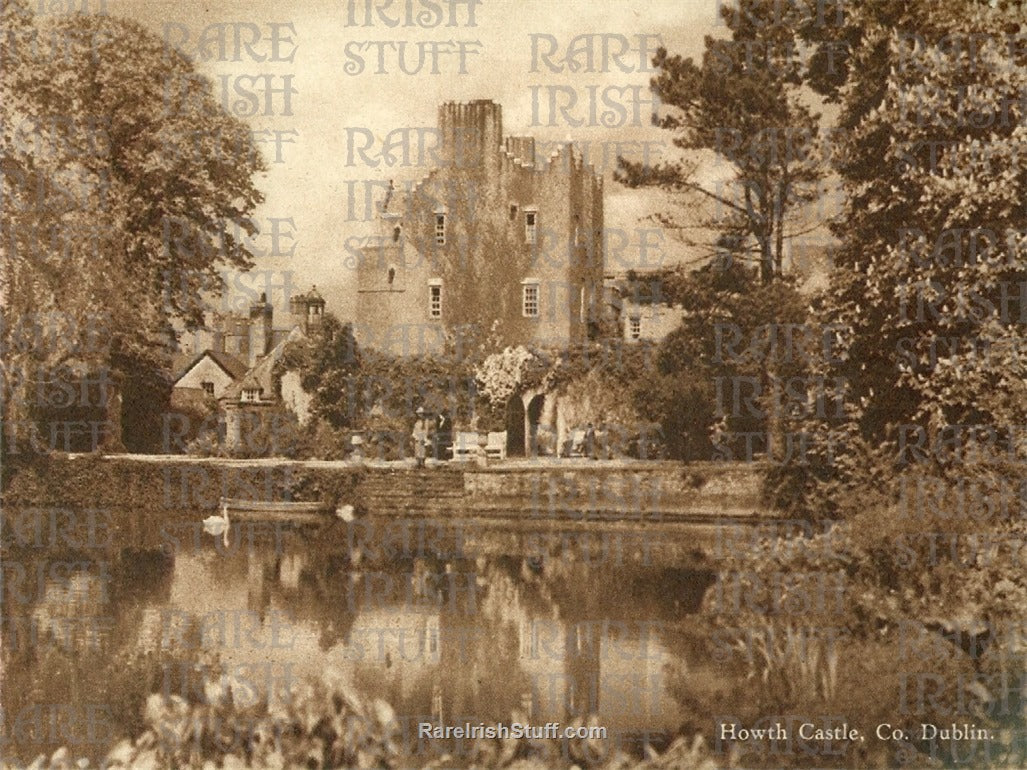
(779, 233)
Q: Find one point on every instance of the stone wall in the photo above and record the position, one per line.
(485, 192)
(634, 489)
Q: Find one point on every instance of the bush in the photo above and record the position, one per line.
(326, 724)
(270, 432)
(918, 584)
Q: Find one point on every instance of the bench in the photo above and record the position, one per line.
(574, 444)
(495, 447)
(465, 445)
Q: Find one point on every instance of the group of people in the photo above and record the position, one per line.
(585, 443)
(432, 434)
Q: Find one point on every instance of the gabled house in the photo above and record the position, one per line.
(242, 381)
(207, 375)
(257, 392)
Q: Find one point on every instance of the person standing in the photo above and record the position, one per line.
(443, 435)
(421, 437)
(590, 442)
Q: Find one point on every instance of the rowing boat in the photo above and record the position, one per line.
(276, 510)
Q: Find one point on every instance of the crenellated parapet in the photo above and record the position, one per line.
(459, 246)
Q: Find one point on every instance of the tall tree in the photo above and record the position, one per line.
(742, 103)
(930, 275)
(126, 188)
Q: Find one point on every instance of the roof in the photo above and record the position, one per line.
(184, 363)
(261, 375)
(279, 335)
(311, 296)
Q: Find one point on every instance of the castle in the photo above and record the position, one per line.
(493, 240)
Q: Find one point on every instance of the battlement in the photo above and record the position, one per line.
(471, 137)
(492, 207)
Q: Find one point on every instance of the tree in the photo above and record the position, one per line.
(126, 188)
(327, 362)
(929, 276)
(743, 104)
(719, 371)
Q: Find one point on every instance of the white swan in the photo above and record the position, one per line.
(218, 525)
(345, 512)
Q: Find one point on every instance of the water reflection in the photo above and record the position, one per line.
(442, 638)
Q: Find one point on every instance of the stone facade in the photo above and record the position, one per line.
(650, 321)
(494, 241)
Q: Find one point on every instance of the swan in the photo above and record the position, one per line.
(217, 525)
(345, 512)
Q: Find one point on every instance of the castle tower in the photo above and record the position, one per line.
(522, 148)
(471, 134)
(307, 310)
(496, 233)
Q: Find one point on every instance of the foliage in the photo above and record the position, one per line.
(326, 724)
(503, 374)
(326, 361)
(601, 382)
(747, 109)
(928, 275)
(270, 432)
(918, 585)
(730, 338)
(126, 187)
(375, 393)
(110, 483)
(321, 441)
(146, 394)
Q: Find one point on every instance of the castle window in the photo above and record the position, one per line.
(251, 394)
(513, 211)
(530, 226)
(529, 296)
(392, 275)
(635, 327)
(440, 229)
(396, 232)
(208, 388)
(435, 299)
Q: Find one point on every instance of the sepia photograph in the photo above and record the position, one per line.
(585, 385)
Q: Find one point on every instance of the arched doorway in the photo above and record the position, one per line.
(515, 426)
(534, 414)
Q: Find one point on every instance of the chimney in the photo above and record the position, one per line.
(260, 329)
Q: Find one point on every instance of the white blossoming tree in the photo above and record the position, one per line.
(502, 374)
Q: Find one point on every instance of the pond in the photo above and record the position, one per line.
(446, 624)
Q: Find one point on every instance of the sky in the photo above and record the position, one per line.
(316, 178)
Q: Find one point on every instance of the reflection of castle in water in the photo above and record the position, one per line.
(441, 641)
(448, 642)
